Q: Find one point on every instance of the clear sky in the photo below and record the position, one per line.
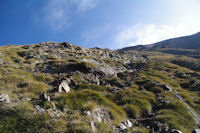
(97, 23)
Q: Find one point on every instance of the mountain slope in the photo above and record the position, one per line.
(60, 87)
(186, 42)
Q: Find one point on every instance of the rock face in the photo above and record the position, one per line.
(64, 87)
(4, 98)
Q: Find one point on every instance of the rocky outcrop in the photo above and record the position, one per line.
(4, 98)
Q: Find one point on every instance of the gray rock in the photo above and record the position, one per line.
(4, 98)
(39, 109)
(107, 70)
(91, 61)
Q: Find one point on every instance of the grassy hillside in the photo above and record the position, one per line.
(129, 85)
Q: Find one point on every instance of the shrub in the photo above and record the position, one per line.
(21, 119)
(35, 87)
(40, 77)
(132, 111)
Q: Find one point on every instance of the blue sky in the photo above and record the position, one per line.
(97, 23)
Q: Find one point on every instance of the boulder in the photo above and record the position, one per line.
(196, 131)
(4, 98)
(107, 70)
(64, 86)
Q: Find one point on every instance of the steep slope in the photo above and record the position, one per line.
(60, 87)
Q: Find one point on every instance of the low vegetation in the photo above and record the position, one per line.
(134, 94)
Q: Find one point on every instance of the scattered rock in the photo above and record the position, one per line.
(4, 98)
